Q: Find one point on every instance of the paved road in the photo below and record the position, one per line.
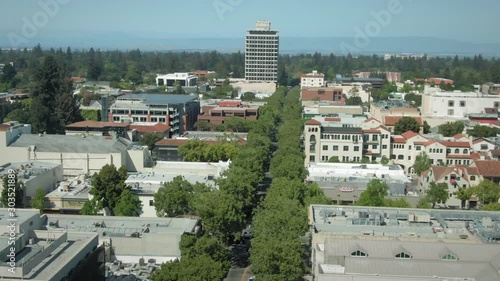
(238, 274)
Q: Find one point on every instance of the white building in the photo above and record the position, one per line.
(145, 185)
(34, 175)
(261, 53)
(456, 104)
(170, 80)
(314, 79)
(349, 139)
(70, 195)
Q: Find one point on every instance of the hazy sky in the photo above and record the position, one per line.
(472, 21)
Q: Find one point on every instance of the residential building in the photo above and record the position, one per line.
(77, 154)
(349, 139)
(490, 88)
(390, 76)
(314, 79)
(180, 112)
(483, 145)
(34, 175)
(314, 109)
(217, 114)
(455, 178)
(352, 243)
(390, 122)
(457, 105)
(344, 182)
(173, 79)
(39, 254)
(261, 53)
(332, 94)
(138, 129)
(488, 170)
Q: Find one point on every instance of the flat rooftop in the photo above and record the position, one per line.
(77, 188)
(159, 99)
(71, 144)
(387, 223)
(149, 183)
(27, 170)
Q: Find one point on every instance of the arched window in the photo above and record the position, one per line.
(449, 257)
(312, 139)
(358, 253)
(466, 151)
(457, 151)
(403, 255)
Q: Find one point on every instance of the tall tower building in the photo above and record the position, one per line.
(261, 53)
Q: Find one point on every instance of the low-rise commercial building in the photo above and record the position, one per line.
(39, 254)
(344, 182)
(217, 114)
(457, 105)
(69, 196)
(389, 244)
(172, 79)
(332, 94)
(328, 109)
(34, 175)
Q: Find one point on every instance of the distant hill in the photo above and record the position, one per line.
(291, 45)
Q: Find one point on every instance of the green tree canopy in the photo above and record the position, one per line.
(487, 192)
(128, 205)
(39, 201)
(374, 195)
(483, 131)
(451, 128)
(437, 193)
(176, 197)
(406, 124)
(150, 140)
(108, 185)
(464, 194)
(422, 163)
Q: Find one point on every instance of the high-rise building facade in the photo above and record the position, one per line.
(261, 53)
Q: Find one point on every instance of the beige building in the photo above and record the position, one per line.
(77, 154)
(457, 104)
(314, 79)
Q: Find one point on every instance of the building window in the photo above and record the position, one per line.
(335, 148)
(346, 148)
(154, 119)
(325, 147)
(484, 146)
(403, 255)
(496, 104)
(418, 147)
(449, 257)
(451, 103)
(446, 178)
(401, 157)
(116, 118)
(312, 158)
(457, 151)
(375, 146)
(356, 148)
(462, 103)
(384, 146)
(161, 120)
(324, 158)
(358, 253)
(375, 137)
(409, 157)
(472, 178)
(151, 203)
(451, 112)
(143, 119)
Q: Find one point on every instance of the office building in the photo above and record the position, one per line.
(180, 112)
(313, 79)
(458, 105)
(261, 53)
(390, 244)
(173, 79)
(216, 114)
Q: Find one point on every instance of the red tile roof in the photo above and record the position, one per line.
(4, 127)
(430, 142)
(392, 120)
(458, 156)
(313, 122)
(495, 152)
(371, 131)
(456, 144)
(488, 168)
(409, 135)
(157, 128)
(459, 136)
(478, 141)
(333, 119)
(97, 124)
(399, 140)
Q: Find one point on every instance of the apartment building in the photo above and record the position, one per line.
(261, 53)
(313, 79)
(455, 178)
(180, 112)
(457, 104)
(348, 138)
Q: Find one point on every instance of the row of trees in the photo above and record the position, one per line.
(140, 67)
(199, 151)
(277, 250)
